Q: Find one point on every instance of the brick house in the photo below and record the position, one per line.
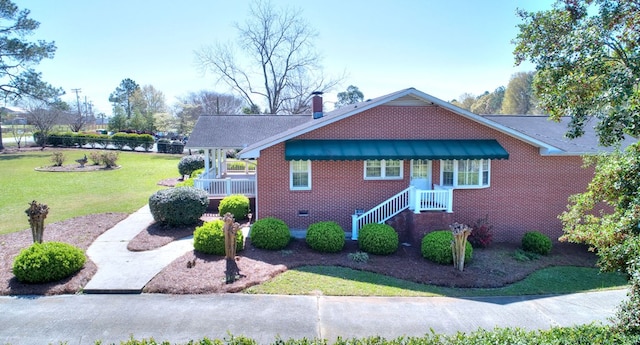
(416, 162)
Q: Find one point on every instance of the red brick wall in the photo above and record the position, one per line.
(527, 191)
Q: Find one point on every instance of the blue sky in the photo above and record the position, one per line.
(443, 48)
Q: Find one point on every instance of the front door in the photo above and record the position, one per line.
(421, 174)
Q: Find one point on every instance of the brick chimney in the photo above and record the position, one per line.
(316, 104)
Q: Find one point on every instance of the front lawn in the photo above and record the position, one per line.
(72, 194)
(341, 281)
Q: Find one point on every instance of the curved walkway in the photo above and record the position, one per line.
(124, 271)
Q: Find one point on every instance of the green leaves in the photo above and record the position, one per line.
(588, 65)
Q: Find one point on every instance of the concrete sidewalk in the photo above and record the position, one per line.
(124, 271)
(83, 319)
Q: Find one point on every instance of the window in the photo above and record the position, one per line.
(383, 169)
(466, 173)
(300, 175)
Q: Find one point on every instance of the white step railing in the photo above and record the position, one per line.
(411, 198)
(227, 186)
(382, 212)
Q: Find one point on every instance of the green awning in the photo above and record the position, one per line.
(326, 150)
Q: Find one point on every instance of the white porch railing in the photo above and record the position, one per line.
(411, 198)
(227, 186)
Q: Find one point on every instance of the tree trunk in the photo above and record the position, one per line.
(37, 213)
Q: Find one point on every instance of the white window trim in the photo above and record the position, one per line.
(383, 171)
(291, 186)
(455, 175)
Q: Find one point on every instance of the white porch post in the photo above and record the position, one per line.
(417, 202)
(207, 166)
(450, 200)
(412, 198)
(219, 163)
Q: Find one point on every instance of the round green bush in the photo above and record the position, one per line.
(48, 262)
(236, 204)
(270, 233)
(178, 206)
(436, 247)
(326, 237)
(190, 163)
(536, 242)
(209, 238)
(379, 239)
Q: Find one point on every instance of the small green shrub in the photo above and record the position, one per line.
(196, 173)
(188, 164)
(179, 205)
(523, 256)
(57, 158)
(536, 242)
(236, 204)
(270, 233)
(109, 158)
(379, 239)
(47, 262)
(326, 237)
(95, 157)
(186, 183)
(436, 247)
(359, 257)
(209, 238)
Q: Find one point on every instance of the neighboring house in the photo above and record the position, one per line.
(409, 159)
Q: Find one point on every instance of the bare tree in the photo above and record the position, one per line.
(282, 66)
(43, 116)
(19, 133)
(213, 103)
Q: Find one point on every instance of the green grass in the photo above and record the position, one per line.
(71, 194)
(340, 281)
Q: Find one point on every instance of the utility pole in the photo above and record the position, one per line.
(77, 91)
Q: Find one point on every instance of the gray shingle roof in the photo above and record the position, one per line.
(553, 133)
(239, 131)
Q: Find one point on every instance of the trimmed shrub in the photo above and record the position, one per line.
(481, 233)
(163, 145)
(436, 247)
(189, 164)
(95, 157)
(119, 140)
(270, 233)
(47, 262)
(236, 204)
(178, 206)
(109, 158)
(536, 242)
(379, 239)
(145, 141)
(326, 237)
(209, 238)
(57, 158)
(176, 147)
